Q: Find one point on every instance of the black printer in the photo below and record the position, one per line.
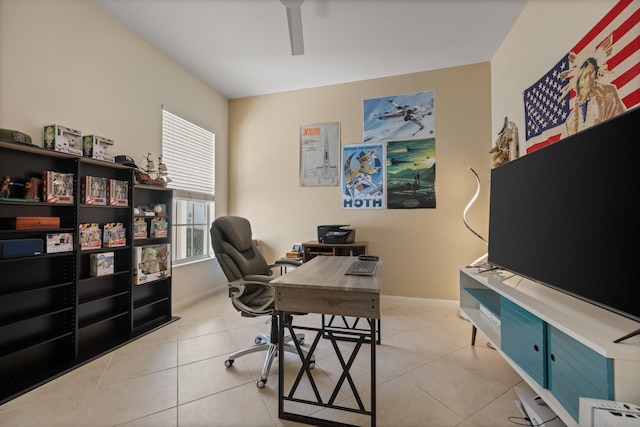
(336, 234)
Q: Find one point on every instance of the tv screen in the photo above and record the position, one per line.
(565, 216)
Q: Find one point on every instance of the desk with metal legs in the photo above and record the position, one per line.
(320, 286)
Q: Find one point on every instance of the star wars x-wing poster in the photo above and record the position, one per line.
(362, 176)
(399, 117)
(411, 174)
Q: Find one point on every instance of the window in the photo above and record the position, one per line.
(189, 153)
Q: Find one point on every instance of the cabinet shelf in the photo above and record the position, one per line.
(103, 297)
(55, 316)
(94, 321)
(148, 302)
(34, 341)
(30, 316)
(24, 291)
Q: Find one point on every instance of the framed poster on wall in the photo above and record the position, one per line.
(319, 155)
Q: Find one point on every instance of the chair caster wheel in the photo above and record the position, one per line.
(257, 340)
(228, 362)
(312, 365)
(261, 383)
(301, 341)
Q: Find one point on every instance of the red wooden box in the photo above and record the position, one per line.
(31, 222)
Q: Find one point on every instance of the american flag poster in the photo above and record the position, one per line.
(599, 78)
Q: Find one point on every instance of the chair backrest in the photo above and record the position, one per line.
(235, 249)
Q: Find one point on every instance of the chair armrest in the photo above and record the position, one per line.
(238, 288)
(256, 278)
(285, 262)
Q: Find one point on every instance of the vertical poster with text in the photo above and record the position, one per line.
(411, 174)
(319, 155)
(363, 176)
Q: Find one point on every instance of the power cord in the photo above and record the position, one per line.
(528, 421)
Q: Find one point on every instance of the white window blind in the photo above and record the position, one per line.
(189, 153)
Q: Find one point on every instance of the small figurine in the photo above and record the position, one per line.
(5, 187)
(32, 189)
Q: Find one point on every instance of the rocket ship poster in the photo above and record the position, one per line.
(362, 176)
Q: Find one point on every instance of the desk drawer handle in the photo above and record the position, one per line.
(535, 347)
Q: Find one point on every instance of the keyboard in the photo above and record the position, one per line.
(362, 268)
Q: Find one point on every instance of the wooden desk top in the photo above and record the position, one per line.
(327, 273)
(320, 286)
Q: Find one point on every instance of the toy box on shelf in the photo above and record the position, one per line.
(58, 187)
(94, 190)
(98, 147)
(63, 139)
(152, 262)
(102, 264)
(59, 242)
(114, 235)
(118, 192)
(139, 228)
(159, 227)
(90, 236)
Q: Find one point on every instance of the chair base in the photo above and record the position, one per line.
(263, 343)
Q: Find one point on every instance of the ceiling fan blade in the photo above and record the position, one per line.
(294, 18)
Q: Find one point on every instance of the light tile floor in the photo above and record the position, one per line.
(427, 374)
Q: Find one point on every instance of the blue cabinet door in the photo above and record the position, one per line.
(523, 339)
(575, 370)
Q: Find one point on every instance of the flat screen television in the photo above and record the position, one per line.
(565, 215)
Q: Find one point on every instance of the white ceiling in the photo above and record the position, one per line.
(241, 47)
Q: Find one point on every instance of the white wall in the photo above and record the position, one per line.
(67, 62)
(545, 32)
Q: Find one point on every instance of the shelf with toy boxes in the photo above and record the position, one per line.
(90, 236)
(152, 262)
(118, 192)
(140, 228)
(102, 264)
(63, 139)
(159, 227)
(98, 147)
(114, 234)
(94, 190)
(58, 187)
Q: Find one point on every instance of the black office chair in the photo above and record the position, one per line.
(249, 274)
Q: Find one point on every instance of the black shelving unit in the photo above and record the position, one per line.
(55, 316)
(152, 300)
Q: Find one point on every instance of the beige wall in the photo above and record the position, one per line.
(542, 35)
(421, 248)
(67, 62)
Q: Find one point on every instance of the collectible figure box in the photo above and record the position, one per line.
(114, 234)
(159, 227)
(63, 139)
(98, 147)
(139, 228)
(59, 242)
(58, 187)
(118, 193)
(94, 190)
(152, 262)
(90, 236)
(102, 264)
